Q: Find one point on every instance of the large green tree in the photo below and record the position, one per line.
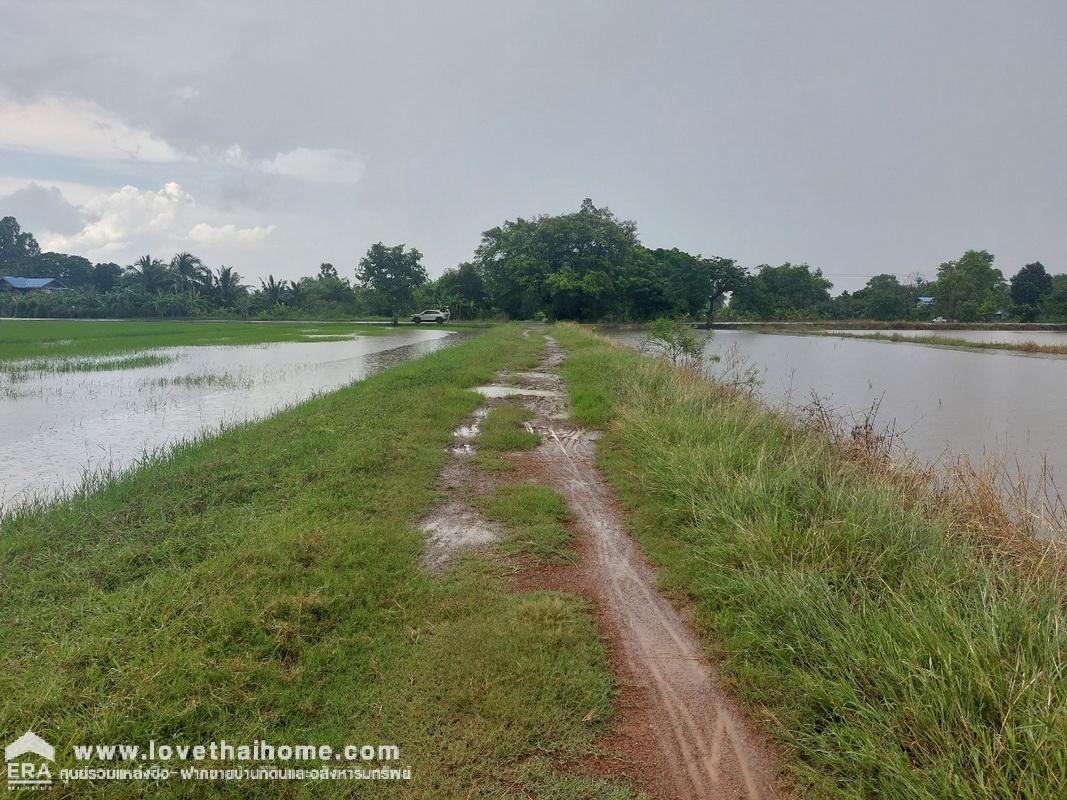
(1054, 307)
(394, 273)
(462, 290)
(106, 276)
(884, 297)
(783, 292)
(72, 271)
(1029, 287)
(566, 266)
(969, 287)
(17, 247)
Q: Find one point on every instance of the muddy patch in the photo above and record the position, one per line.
(454, 525)
(467, 431)
(532, 380)
(498, 390)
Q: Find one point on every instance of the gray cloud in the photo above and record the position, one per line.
(42, 208)
(861, 138)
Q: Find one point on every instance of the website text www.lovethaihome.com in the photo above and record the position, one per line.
(32, 762)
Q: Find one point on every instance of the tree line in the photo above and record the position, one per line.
(587, 265)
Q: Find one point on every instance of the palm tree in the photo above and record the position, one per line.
(228, 286)
(273, 291)
(188, 271)
(297, 294)
(150, 272)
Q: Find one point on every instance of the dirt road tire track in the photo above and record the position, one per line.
(669, 689)
(705, 743)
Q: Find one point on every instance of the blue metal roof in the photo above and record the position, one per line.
(28, 283)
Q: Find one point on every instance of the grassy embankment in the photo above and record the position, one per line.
(892, 654)
(266, 584)
(948, 341)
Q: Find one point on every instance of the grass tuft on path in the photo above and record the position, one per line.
(888, 654)
(503, 431)
(534, 518)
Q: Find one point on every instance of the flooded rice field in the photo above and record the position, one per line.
(984, 335)
(60, 424)
(942, 402)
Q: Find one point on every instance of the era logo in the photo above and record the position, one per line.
(29, 774)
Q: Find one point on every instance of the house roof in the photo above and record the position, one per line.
(28, 283)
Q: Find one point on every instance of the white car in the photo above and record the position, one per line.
(430, 315)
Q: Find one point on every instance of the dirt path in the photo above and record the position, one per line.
(699, 738)
(704, 743)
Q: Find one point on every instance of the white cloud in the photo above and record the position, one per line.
(117, 218)
(68, 126)
(329, 165)
(131, 220)
(214, 234)
(79, 128)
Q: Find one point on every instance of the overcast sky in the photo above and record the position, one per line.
(858, 137)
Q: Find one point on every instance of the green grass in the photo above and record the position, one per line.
(266, 584)
(502, 431)
(534, 518)
(205, 379)
(887, 654)
(54, 339)
(22, 370)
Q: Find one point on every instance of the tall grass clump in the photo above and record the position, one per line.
(891, 647)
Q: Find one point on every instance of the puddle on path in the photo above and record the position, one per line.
(452, 527)
(498, 391)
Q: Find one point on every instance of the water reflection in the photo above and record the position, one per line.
(57, 426)
(1011, 337)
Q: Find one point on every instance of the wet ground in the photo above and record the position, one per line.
(678, 734)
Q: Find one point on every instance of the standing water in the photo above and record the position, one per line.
(942, 402)
(59, 426)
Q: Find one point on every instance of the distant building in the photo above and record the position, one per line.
(10, 283)
(926, 301)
